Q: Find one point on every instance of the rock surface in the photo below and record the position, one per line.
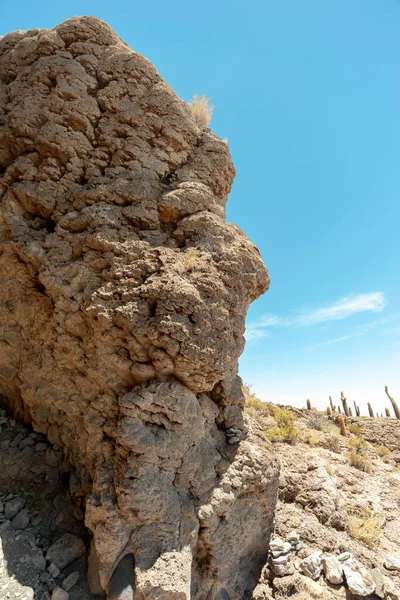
(122, 309)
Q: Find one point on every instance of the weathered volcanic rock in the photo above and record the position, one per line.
(122, 305)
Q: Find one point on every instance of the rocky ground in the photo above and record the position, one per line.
(43, 539)
(334, 508)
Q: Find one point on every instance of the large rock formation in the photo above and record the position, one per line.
(122, 305)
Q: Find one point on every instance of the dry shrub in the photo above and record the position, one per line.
(331, 428)
(310, 438)
(358, 454)
(317, 421)
(354, 428)
(365, 525)
(201, 109)
(190, 259)
(253, 406)
(285, 429)
(382, 451)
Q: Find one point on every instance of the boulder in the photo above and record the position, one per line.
(359, 580)
(123, 302)
(13, 507)
(312, 565)
(66, 549)
(333, 569)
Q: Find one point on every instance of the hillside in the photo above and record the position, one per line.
(334, 491)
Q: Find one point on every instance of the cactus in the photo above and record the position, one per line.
(339, 409)
(394, 403)
(331, 403)
(350, 412)
(342, 425)
(344, 402)
(371, 410)
(356, 408)
(329, 411)
(308, 404)
(387, 411)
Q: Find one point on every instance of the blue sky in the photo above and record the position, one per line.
(308, 95)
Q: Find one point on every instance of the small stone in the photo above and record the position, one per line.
(276, 545)
(36, 520)
(59, 594)
(21, 520)
(70, 581)
(66, 549)
(27, 451)
(45, 576)
(5, 444)
(359, 580)
(298, 546)
(13, 507)
(379, 582)
(16, 440)
(312, 565)
(53, 570)
(293, 537)
(345, 556)
(286, 548)
(333, 569)
(41, 446)
(392, 563)
(282, 570)
(26, 442)
(282, 559)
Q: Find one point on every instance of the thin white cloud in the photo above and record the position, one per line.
(341, 309)
(374, 302)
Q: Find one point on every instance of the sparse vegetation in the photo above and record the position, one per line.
(285, 429)
(358, 454)
(382, 451)
(365, 526)
(253, 406)
(317, 421)
(201, 109)
(190, 258)
(354, 428)
(310, 438)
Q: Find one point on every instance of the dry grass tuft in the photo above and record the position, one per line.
(365, 525)
(202, 110)
(358, 454)
(285, 429)
(382, 451)
(354, 428)
(190, 258)
(317, 421)
(253, 405)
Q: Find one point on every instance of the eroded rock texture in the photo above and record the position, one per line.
(122, 304)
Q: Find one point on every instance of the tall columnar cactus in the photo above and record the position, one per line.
(308, 404)
(371, 410)
(387, 411)
(329, 411)
(331, 403)
(342, 425)
(344, 402)
(357, 409)
(394, 403)
(339, 409)
(350, 412)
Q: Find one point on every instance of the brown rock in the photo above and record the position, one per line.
(123, 302)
